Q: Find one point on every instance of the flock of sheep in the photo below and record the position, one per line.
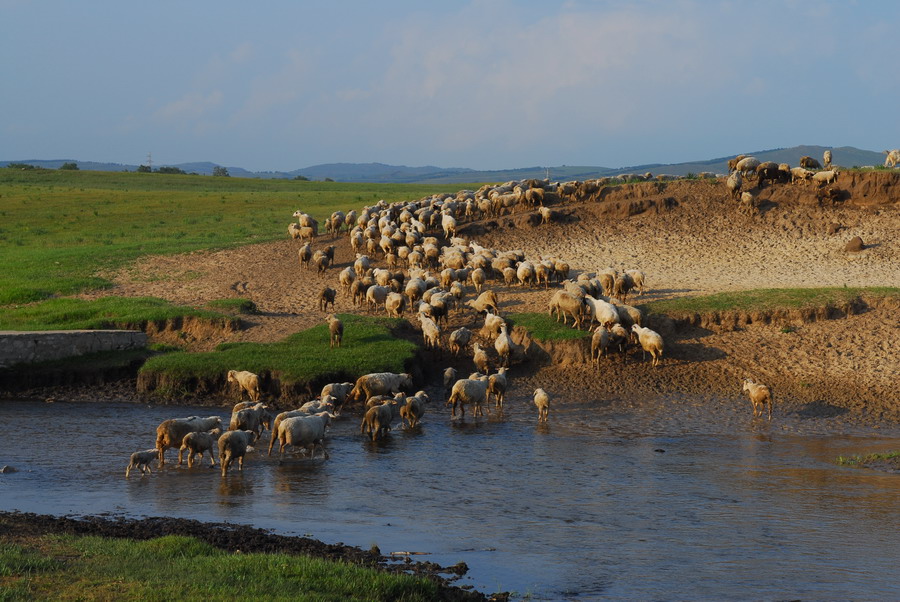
(431, 276)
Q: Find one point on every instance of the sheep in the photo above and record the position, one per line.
(170, 433)
(337, 391)
(492, 324)
(478, 277)
(327, 296)
(892, 158)
(601, 311)
(747, 165)
(526, 274)
(459, 340)
(142, 460)
(448, 223)
(276, 424)
(563, 304)
(198, 443)
(800, 173)
(486, 301)
(249, 419)
(335, 330)
(733, 184)
(304, 431)
(546, 215)
(732, 163)
(247, 381)
(233, 445)
(651, 342)
(449, 378)
(471, 391)
(629, 315)
(826, 159)
(621, 287)
(599, 342)
(305, 254)
(619, 340)
(376, 295)
(637, 279)
(481, 359)
(825, 177)
(414, 409)
(431, 332)
(497, 384)
(542, 401)
(809, 163)
(294, 230)
(380, 383)
(505, 346)
(394, 304)
(749, 204)
(760, 395)
(377, 420)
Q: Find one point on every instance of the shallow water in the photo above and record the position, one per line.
(674, 500)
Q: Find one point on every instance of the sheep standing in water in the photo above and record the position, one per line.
(760, 395)
(542, 401)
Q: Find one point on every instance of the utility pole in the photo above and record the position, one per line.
(150, 161)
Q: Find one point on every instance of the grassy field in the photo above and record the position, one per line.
(182, 568)
(59, 228)
(546, 328)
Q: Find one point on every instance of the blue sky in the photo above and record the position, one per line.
(486, 84)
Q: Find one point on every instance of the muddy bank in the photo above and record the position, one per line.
(232, 538)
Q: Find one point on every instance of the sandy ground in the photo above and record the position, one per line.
(702, 245)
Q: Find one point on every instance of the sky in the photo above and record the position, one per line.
(484, 84)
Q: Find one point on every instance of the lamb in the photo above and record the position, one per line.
(199, 443)
(170, 433)
(335, 330)
(294, 230)
(892, 158)
(233, 446)
(825, 177)
(304, 431)
(377, 421)
(327, 296)
(142, 460)
(459, 340)
(247, 381)
(414, 409)
(497, 384)
(542, 401)
(468, 391)
(380, 383)
(651, 342)
(760, 395)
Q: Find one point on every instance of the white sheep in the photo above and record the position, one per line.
(892, 158)
(469, 391)
(497, 385)
(431, 332)
(562, 304)
(233, 446)
(800, 174)
(253, 419)
(826, 159)
(277, 423)
(542, 401)
(492, 324)
(142, 460)
(505, 346)
(337, 391)
(734, 183)
(486, 301)
(459, 340)
(601, 311)
(380, 383)
(748, 165)
(414, 408)
(394, 304)
(760, 395)
(637, 278)
(378, 418)
(335, 330)
(651, 342)
(170, 433)
(199, 443)
(599, 342)
(304, 431)
(825, 177)
(247, 381)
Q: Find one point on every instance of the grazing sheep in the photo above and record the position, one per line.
(459, 340)
(809, 163)
(749, 204)
(469, 391)
(732, 163)
(892, 158)
(380, 383)
(377, 421)
(414, 409)
(542, 401)
(327, 296)
(619, 340)
(142, 460)
(760, 395)
(335, 329)
(170, 433)
(247, 381)
(497, 384)
(304, 431)
(199, 443)
(233, 445)
(747, 165)
(651, 342)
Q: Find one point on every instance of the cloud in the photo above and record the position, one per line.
(191, 106)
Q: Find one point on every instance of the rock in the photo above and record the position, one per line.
(854, 245)
(833, 228)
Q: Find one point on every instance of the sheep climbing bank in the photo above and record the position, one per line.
(651, 342)
(248, 382)
(760, 397)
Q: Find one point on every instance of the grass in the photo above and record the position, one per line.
(546, 328)
(59, 229)
(867, 459)
(67, 567)
(767, 299)
(102, 313)
(369, 345)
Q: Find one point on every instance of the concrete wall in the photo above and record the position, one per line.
(41, 346)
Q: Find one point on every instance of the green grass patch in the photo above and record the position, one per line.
(183, 568)
(767, 299)
(60, 228)
(859, 460)
(546, 328)
(369, 345)
(236, 305)
(102, 313)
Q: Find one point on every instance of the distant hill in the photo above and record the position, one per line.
(847, 156)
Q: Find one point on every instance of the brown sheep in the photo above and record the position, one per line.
(336, 328)
(170, 433)
(247, 381)
(809, 163)
(327, 296)
(760, 395)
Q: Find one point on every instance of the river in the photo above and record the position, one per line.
(633, 499)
